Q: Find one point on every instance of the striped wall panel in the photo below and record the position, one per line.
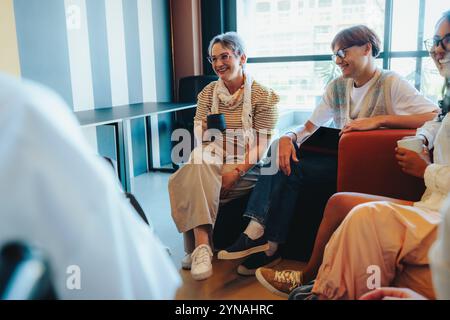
(43, 46)
(94, 53)
(134, 72)
(79, 55)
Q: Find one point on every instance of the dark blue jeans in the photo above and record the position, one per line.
(275, 198)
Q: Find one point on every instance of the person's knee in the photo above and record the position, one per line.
(357, 218)
(367, 213)
(338, 204)
(336, 200)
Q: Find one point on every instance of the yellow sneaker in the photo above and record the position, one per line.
(279, 282)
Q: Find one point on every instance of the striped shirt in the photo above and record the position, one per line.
(264, 106)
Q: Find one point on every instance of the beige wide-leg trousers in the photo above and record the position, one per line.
(379, 243)
(194, 189)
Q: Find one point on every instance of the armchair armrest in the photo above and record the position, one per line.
(367, 164)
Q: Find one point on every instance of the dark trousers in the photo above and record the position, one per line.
(276, 199)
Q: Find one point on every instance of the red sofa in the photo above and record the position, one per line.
(367, 164)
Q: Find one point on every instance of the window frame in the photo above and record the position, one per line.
(386, 54)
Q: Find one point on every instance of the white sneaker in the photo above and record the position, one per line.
(186, 262)
(201, 267)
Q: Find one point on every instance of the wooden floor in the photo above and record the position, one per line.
(226, 284)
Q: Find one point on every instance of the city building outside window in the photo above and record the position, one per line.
(288, 42)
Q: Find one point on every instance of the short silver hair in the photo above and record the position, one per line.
(445, 16)
(230, 40)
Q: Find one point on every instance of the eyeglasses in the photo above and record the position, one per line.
(224, 57)
(432, 44)
(341, 53)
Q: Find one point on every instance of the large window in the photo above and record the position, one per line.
(288, 42)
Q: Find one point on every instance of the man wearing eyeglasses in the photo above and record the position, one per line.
(396, 238)
(363, 98)
(439, 49)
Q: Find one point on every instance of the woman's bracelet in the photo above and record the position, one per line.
(296, 137)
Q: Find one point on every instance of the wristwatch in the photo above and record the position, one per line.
(241, 173)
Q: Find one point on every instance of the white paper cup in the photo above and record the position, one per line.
(411, 143)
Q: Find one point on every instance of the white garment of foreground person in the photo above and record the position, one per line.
(440, 256)
(60, 197)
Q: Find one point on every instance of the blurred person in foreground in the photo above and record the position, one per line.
(58, 196)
